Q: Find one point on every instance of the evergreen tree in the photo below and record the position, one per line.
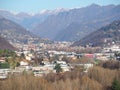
(116, 85)
(22, 55)
(58, 68)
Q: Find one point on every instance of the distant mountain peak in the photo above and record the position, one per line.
(55, 11)
(61, 9)
(75, 23)
(23, 15)
(44, 11)
(94, 5)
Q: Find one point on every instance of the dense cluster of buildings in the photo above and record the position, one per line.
(46, 57)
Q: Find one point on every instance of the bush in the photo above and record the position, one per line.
(116, 85)
(4, 65)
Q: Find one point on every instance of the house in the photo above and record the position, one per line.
(28, 58)
(24, 63)
(41, 70)
(88, 65)
(4, 73)
(112, 48)
(118, 58)
(91, 56)
(60, 62)
(3, 76)
(2, 60)
(65, 67)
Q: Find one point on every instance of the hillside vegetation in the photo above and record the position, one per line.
(13, 32)
(5, 44)
(98, 78)
(107, 34)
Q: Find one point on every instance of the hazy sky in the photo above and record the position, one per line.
(34, 6)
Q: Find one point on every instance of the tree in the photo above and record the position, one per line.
(116, 85)
(31, 51)
(13, 62)
(7, 53)
(22, 55)
(58, 68)
(56, 57)
(4, 65)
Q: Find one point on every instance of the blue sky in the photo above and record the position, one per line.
(34, 6)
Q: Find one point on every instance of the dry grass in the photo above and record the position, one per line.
(97, 79)
(24, 83)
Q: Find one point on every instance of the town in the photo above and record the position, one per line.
(42, 59)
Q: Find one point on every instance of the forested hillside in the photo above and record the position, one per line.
(5, 45)
(107, 34)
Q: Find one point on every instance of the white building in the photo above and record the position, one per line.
(23, 63)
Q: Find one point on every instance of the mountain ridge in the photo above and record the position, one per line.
(13, 32)
(28, 20)
(88, 19)
(105, 35)
(57, 27)
(5, 44)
